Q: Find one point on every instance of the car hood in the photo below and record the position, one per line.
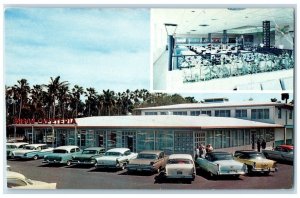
(83, 156)
(38, 185)
(107, 158)
(22, 151)
(141, 161)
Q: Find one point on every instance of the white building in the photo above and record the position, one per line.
(266, 112)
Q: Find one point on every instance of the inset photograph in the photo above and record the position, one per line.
(223, 49)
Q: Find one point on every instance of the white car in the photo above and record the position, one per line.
(32, 151)
(180, 166)
(13, 146)
(115, 158)
(18, 181)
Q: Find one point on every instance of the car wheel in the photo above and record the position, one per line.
(249, 169)
(267, 173)
(211, 175)
(69, 163)
(35, 157)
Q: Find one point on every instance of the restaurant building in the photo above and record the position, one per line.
(171, 133)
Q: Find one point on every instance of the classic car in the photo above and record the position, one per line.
(18, 181)
(149, 161)
(255, 161)
(221, 163)
(13, 146)
(115, 158)
(281, 153)
(31, 151)
(180, 166)
(62, 155)
(87, 157)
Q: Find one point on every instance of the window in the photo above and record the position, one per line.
(180, 113)
(291, 114)
(195, 113)
(206, 112)
(150, 113)
(222, 113)
(163, 113)
(72, 150)
(241, 113)
(145, 140)
(279, 113)
(260, 114)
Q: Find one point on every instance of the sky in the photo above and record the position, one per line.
(104, 48)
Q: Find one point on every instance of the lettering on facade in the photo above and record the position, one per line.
(44, 121)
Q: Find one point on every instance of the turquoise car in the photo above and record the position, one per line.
(62, 155)
(87, 157)
(10, 147)
(221, 163)
(31, 151)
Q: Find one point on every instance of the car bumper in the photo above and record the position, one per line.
(107, 166)
(264, 169)
(142, 169)
(52, 162)
(180, 176)
(231, 173)
(76, 162)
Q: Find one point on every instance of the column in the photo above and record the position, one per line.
(209, 38)
(266, 34)
(171, 42)
(225, 37)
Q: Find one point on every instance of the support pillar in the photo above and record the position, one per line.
(209, 38)
(171, 42)
(225, 37)
(266, 34)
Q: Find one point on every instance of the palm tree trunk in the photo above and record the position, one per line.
(21, 103)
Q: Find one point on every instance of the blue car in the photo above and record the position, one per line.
(62, 155)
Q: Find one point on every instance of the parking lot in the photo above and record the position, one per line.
(88, 178)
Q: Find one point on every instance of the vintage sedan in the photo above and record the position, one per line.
(87, 157)
(148, 161)
(62, 155)
(255, 161)
(280, 153)
(180, 166)
(13, 146)
(221, 163)
(18, 181)
(31, 151)
(115, 158)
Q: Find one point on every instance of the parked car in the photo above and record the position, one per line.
(148, 161)
(255, 161)
(18, 181)
(221, 163)
(62, 155)
(13, 146)
(180, 166)
(31, 151)
(281, 153)
(115, 158)
(87, 157)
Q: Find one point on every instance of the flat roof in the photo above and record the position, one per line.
(159, 121)
(215, 105)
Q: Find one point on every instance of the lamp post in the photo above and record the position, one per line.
(170, 29)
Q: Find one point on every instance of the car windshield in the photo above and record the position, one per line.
(89, 152)
(257, 156)
(60, 151)
(217, 157)
(11, 146)
(29, 148)
(112, 154)
(146, 156)
(180, 161)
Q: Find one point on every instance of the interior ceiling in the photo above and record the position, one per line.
(249, 20)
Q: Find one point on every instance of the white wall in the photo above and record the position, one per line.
(158, 40)
(285, 40)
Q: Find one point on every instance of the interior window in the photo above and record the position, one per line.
(72, 150)
(77, 149)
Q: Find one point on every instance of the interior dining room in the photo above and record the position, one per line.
(223, 49)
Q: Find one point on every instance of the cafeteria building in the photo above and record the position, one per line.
(171, 133)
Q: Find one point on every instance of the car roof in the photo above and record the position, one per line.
(181, 156)
(16, 143)
(94, 148)
(218, 152)
(14, 175)
(287, 146)
(151, 152)
(66, 147)
(36, 145)
(246, 151)
(121, 150)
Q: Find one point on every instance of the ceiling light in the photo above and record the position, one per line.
(193, 11)
(236, 9)
(203, 25)
(214, 19)
(170, 28)
(193, 30)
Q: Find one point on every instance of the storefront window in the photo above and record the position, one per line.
(164, 141)
(241, 137)
(90, 140)
(234, 138)
(210, 137)
(100, 138)
(183, 142)
(145, 140)
(111, 139)
(218, 139)
(71, 137)
(226, 138)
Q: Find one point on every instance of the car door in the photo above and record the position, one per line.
(276, 154)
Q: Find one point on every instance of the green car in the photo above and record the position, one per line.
(62, 155)
(87, 157)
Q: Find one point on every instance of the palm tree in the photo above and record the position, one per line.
(37, 100)
(109, 100)
(21, 91)
(53, 89)
(100, 103)
(77, 91)
(91, 100)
